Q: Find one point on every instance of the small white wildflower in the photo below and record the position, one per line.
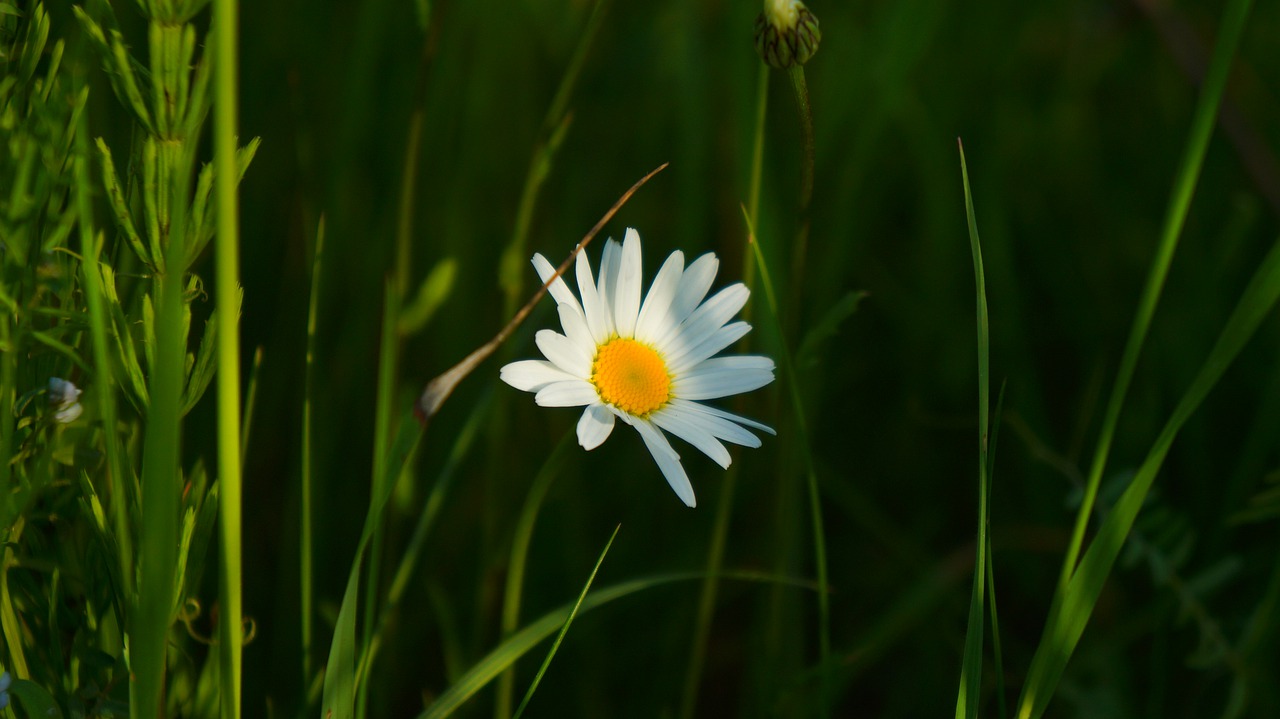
(64, 397)
(646, 364)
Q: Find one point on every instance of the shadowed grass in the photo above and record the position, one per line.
(971, 666)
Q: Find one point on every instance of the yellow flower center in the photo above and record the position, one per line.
(631, 376)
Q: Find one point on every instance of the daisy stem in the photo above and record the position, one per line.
(815, 500)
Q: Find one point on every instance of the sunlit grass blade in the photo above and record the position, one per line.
(551, 653)
(1076, 605)
(520, 543)
(1184, 185)
(338, 700)
(227, 275)
(971, 665)
(515, 646)
(806, 452)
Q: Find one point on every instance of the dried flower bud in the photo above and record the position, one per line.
(787, 34)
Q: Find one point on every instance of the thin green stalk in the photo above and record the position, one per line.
(118, 478)
(724, 511)
(565, 629)
(226, 295)
(305, 545)
(1179, 203)
(388, 367)
(815, 499)
(520, 543)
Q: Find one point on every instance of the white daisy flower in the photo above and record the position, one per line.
(646, 363)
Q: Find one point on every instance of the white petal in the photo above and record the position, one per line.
(694, 284)
(626, 297)
(570, 393)
(532, 375)
(718, 426)
(560, 291)
(716, 412)
(693, 431)
(667, 459)
(688, 357)
(720, 383)
(656, 304)
(575, 328)
(594, 426)
(709, 317)
(592, 308)
(610, 261)
(562, 352)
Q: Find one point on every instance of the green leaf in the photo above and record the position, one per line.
(35, 700)
(120, 208)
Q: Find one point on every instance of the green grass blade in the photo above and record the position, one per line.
(515, 646)
(227, 258)
(1179, 203)
(388, 368)
(971, 665)
(516, 565)
(305, 560)
(338, 701)
(537, 679)
(1076, 606)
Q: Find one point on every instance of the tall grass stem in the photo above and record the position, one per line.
(227, 274)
